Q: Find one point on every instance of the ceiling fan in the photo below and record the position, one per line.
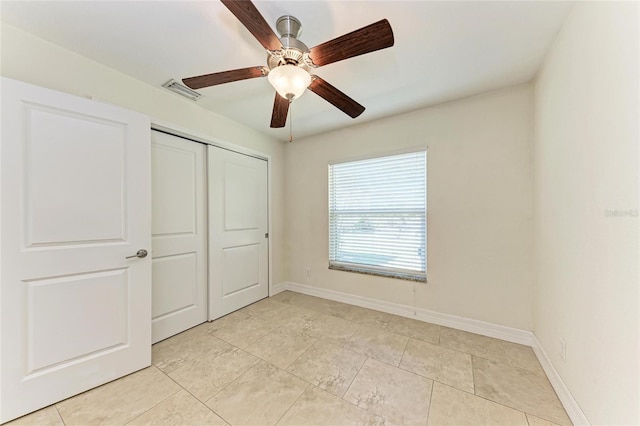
(289, 61)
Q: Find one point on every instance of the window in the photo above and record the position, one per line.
(378, 216)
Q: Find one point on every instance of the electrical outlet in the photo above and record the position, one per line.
(307, 272)
(563, 350)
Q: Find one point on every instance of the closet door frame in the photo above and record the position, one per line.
(183, 132)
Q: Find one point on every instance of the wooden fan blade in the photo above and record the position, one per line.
(251, 18)
(223, 77)
(335, 97)
(280, 110)
(367, 39)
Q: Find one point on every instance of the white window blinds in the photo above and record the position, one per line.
(377, 216)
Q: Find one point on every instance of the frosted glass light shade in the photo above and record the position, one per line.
(289, 81)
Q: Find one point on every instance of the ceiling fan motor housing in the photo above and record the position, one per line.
(289, 28)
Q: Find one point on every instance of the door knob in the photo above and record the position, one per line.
(141, 254)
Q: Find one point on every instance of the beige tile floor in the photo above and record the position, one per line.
(300, 360)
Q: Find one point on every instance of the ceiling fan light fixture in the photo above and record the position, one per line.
(290, 81)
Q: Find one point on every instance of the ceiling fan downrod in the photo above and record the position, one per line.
(289, 26)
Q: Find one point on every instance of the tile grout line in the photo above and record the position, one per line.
(473, 375)
(406, 345)
(351, 335)
(231, 382)
(301, 355)
(159, 402)
(285, 331)
(352, 403)
(271, 324)
(191, 360)
(403, 370)
(527, 419)
(354, 378)
(252, 367)
(486, 357)
(195, 397)
(511, 364)
(494, 402)
(106, 384)
(433, 385)
(318, 386)
(182, 387)
(297, 376)
(445, 384)
(421, 376)
(294, 403)
(446, 347)
(59, 414)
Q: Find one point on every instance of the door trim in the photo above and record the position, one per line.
(175, 130)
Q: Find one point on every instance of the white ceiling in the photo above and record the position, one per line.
(443, 50)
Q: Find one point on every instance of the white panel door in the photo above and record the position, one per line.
(238, 223)
(75, 201)
(179, 234)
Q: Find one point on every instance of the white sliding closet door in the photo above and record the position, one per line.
(238, 226)
(76, 208)
(179, 234)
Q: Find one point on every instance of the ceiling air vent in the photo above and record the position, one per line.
(178, 88)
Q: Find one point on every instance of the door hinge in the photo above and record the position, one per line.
(266, 235)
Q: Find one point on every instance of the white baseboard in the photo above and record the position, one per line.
(509, 334)
(569, 403)
(278, 288)
(460, 323)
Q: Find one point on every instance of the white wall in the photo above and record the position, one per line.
(479, 206)
(586, 165)
(34, 60)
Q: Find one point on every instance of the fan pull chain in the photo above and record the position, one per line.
(290, 122)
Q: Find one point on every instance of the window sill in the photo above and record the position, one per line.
(385, 274)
